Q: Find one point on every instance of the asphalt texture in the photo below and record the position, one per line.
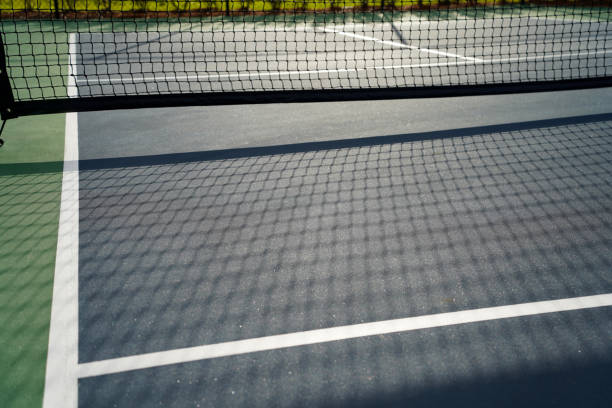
(205, 225)
(396, 51)
(560, 360)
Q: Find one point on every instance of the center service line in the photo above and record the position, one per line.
(232, 348)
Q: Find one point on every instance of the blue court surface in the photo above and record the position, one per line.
(439, 252)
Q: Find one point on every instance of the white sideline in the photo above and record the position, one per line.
(62, 355)
(232, 348)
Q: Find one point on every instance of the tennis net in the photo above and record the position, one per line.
(65, 55)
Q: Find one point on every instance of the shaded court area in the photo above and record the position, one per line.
(553, 360)
(30, 187)
(204, 247)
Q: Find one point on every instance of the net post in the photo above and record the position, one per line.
(7, 102)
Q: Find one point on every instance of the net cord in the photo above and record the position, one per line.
(88, 104)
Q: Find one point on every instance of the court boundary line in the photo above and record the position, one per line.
(179, 78)
(400, 45)
(61, 379)
(296, 339)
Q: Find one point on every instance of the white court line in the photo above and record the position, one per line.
(202, 77)
(548, 56)
(102, 81)
(400, 45)
(232, 348)
(62, 355)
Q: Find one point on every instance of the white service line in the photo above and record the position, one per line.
(547, 56)
(62, 355)
(232, 348)
(121, 80)
(400, 45)
(203, 77)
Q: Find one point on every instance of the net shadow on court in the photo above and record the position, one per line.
(199, 248)
(29, 208)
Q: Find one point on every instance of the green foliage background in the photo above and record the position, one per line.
(232, 5)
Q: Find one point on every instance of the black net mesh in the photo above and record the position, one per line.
(60, 49)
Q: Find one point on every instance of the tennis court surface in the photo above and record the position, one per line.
(405, 252)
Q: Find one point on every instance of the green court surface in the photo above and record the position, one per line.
(30, 187)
